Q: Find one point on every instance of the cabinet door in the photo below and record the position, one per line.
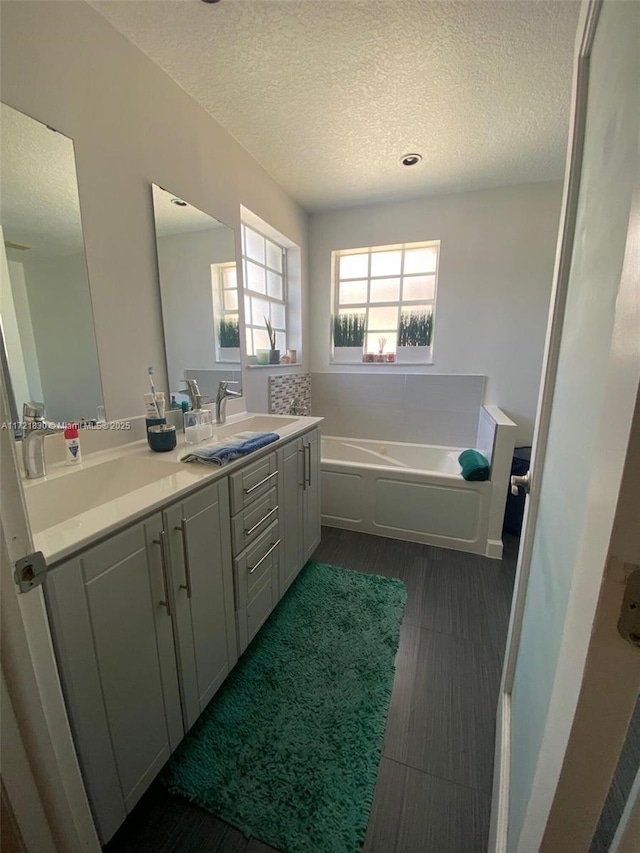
(114, 644)
(202, 590)
(290, 491)
(311, 494)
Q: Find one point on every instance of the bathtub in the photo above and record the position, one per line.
(416, 492)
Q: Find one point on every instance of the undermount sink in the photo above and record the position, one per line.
(58, 499)
(256, 423)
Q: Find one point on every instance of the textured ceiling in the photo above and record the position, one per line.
(328, 95)
(39, 205)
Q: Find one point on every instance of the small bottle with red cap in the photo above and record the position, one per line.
(73, 444)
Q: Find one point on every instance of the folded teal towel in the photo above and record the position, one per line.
(217, 454)
(474, 465)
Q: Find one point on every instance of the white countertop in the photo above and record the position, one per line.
(85, 528)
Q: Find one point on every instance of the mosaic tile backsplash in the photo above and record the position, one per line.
(282, 389)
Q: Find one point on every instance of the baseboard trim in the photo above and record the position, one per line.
(501, 768)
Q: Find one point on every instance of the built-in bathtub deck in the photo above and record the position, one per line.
(416, 492)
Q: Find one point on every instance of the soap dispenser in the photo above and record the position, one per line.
(198, 422)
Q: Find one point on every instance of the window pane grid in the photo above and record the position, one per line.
(410, 271)
(223, 277)
(270, 302)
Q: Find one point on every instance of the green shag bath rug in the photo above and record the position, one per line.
(288, 749)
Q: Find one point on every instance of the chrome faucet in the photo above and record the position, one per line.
(221, 400)
(35, 428)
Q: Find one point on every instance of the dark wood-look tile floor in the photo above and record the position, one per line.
(433, 791)
(628, 765)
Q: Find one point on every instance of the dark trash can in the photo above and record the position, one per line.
(514, 510)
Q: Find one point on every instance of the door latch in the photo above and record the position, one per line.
(629, 622)
(30, 571)
(518, 483)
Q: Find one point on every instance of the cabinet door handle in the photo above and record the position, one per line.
(182, 528)
(163, 559)
(303, 450)
(264, 557)
(256, 526)
(261, 483)
(309, 474)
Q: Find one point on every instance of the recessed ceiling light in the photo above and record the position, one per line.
(179, 202)
(410, 159)
(210, 1)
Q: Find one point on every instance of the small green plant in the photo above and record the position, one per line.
(415, 329)
(270, 332)
(349, 330)
(229, 333)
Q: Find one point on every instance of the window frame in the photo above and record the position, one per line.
(424, 354)
(220, 312)
(249, 324)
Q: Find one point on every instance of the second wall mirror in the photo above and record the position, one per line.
(198, 287)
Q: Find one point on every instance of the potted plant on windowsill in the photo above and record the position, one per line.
(348, 337)
(414, 335)
(274, 354)
(229, 339)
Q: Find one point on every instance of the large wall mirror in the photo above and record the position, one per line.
(49, 345)
(197, 268)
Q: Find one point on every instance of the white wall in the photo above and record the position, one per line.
(580, 480)
(188, 311)
(63, 64)
(496, 264)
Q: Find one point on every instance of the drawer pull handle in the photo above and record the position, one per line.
(309, 470)
(256, 526)
(262, 559)
(261, 483)
(163, 559)
(182, 528)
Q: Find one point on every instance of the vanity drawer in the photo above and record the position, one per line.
(256, 575)
(253, 481)
(255, 563)
(247, 525)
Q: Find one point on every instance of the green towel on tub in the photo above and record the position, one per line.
(474, 465)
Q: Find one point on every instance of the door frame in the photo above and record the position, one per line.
(56, 810)
(569, 706)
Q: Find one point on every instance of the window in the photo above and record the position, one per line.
(265, 288)
(387, 294)
(225, 292)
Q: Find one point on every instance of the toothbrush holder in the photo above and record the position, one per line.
(151, 422)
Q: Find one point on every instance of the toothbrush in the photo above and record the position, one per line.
(153, 391)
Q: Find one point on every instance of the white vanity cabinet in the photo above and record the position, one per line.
(199, 553)
(299, 487)
(148, 623)
(113, 633)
